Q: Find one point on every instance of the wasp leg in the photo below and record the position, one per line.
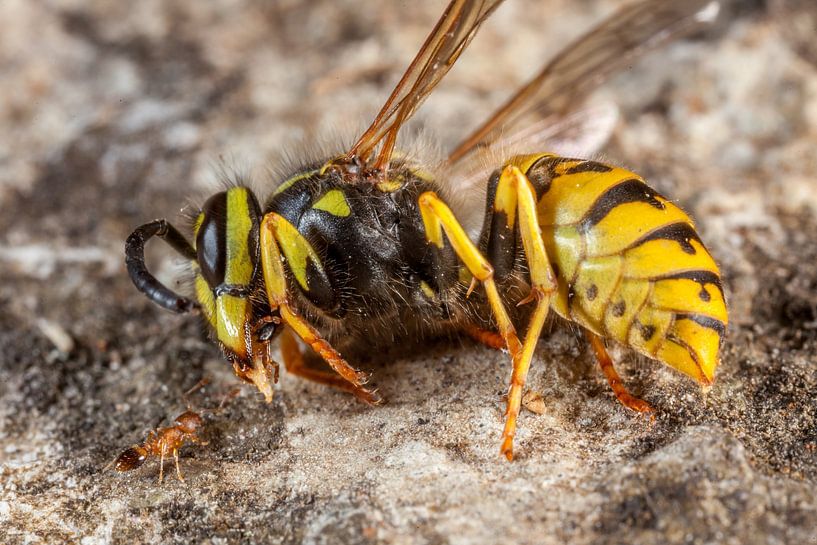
(438, 217)
(491, 339)
(514, 191)
(625, 397)
(275, 281)
(294, 363)
(515, 194)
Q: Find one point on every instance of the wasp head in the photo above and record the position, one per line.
(227, 280)
(228, 284)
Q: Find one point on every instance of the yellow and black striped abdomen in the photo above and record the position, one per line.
(629, 263)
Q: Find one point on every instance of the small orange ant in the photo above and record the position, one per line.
(162, 442)
(165, 441)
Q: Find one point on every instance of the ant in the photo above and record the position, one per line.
(162, 442)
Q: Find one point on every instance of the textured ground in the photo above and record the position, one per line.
(113, 115)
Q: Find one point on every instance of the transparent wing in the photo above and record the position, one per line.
(581, 133)
(452, 34)
(567, 80)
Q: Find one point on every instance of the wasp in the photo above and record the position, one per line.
(365, 246)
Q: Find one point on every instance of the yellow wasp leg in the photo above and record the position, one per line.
(275, 282)
(625, 397)
(515, 191)
(438, 217)
(294, 363)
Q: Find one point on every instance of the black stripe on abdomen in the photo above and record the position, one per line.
(632, 190)
(588, 166)
(704, 321)
(681, 232)
(701, 277)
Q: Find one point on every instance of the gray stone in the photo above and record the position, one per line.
(112, 114)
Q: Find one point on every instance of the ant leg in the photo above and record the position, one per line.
(176, 459)
(162, 465)
(274, 230)
(606, 363)
(294, 363)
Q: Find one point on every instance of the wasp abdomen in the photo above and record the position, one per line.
(630, 264)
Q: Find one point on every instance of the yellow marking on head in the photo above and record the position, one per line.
(239, 268)
(231, 315)
(427, 289)
(204, 295)
(196, 227)
(296, 250)
(334, 202)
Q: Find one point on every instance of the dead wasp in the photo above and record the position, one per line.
(360, 248)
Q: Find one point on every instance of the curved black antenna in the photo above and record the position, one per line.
(139, 274)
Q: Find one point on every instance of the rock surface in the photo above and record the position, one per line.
(111, 115)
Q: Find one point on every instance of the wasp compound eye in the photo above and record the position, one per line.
(227, 238)
(211, 248)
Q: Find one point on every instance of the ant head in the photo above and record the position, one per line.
(189, 422)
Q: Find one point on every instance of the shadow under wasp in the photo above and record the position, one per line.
(363, 245)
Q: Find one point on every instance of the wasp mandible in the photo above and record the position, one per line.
(363, 245)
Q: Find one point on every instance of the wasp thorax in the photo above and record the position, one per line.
(227, 250)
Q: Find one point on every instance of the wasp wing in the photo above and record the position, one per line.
(452, 34)
(583, 65)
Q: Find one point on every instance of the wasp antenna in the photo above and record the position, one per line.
(142, 278)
